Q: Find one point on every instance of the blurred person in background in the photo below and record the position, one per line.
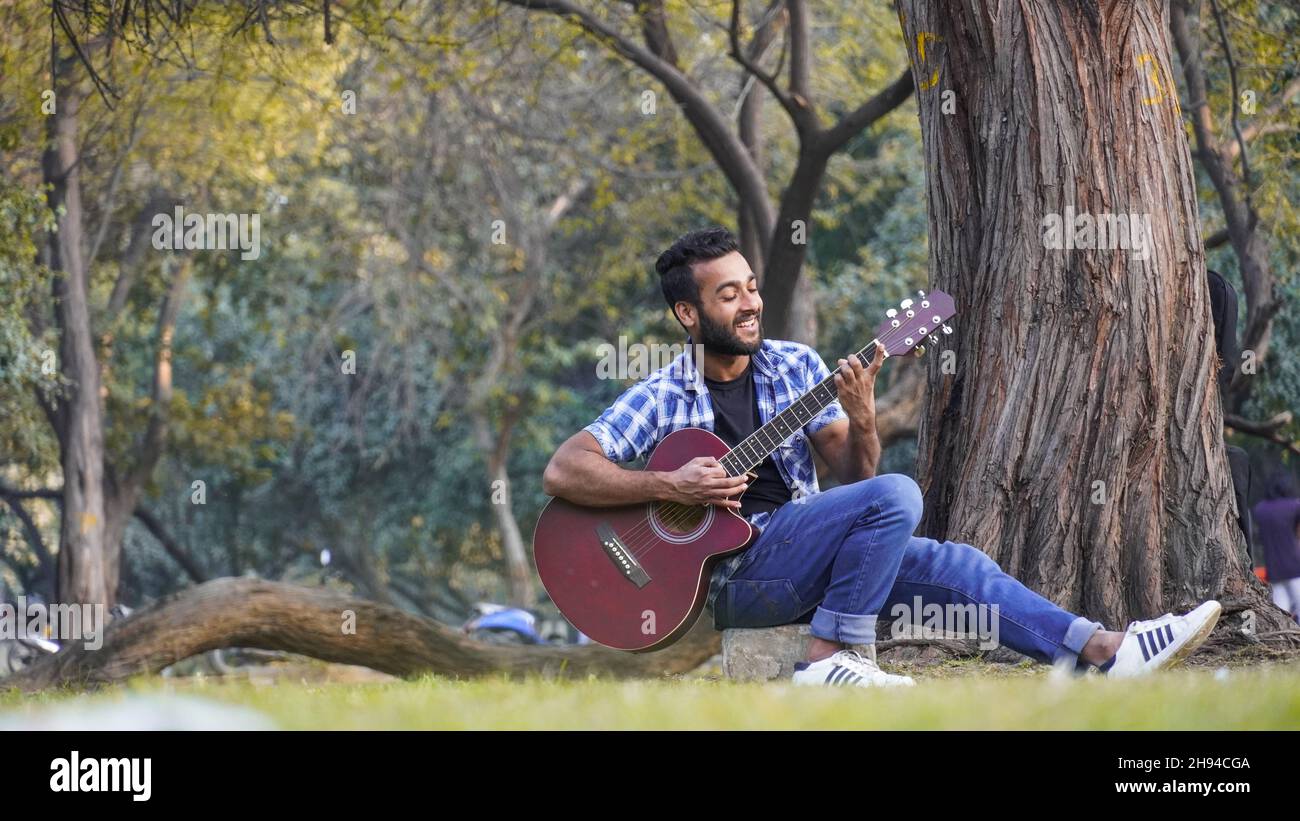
(1276, 520)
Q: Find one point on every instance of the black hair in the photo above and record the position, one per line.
(1223, 310)
(1281, 485)
(676, 276)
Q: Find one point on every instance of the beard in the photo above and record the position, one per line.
(721, 340)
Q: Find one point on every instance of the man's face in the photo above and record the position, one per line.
(729, 318)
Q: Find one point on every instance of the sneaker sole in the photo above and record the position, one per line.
(857, 686)
(809, 682)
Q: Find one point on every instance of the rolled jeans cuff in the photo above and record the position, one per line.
(846, 628)
(1078, 634)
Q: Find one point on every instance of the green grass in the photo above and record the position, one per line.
(955, 696)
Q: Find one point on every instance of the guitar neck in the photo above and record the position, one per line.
(753, 449)
(905, 329)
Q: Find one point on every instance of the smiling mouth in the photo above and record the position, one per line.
(750, 324)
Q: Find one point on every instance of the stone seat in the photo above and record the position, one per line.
(768, 653)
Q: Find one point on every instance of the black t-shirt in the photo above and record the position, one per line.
(735, 416)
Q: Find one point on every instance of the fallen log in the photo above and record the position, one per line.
(331, 626)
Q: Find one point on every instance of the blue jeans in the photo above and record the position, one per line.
(848, 555)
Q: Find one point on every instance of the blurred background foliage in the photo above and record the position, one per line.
(377, 249)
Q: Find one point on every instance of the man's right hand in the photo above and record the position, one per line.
(704, 481)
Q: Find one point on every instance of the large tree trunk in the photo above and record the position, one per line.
(1079, 442)
(800, 322)
(788, 302)
(325, 624)
(79, 419)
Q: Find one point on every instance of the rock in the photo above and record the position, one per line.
(764, 654)
(768, 653)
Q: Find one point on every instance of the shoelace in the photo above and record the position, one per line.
(848, 651)
(871, 667)
(1139, 626)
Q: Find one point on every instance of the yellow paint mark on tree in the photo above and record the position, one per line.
(921, 38)
(1153, 73)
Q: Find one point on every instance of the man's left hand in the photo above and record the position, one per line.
(857, 387)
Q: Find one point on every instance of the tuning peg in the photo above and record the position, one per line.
(920, 351)
(905, 304)
(947, 329)
(922, 293)
(891, 313)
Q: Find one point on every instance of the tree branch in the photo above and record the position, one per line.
(169, 544)
(707, 121)
(1263, 123)
(146, 518)
(1267, 430)
(160, 406)
(43, 556)
(1236, 102)
(864, 115)
(803, 123)
(136, 245)
(1216, 239)
(800, 58)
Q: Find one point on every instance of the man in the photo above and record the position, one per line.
(845, 555)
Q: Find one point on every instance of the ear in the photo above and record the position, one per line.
(685, 312)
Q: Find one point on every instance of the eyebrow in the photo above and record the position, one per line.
(733, 283)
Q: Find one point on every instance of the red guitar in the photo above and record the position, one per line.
(636, 577)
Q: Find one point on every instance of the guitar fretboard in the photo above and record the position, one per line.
(753, 449)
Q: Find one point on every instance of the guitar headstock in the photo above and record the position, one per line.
(914, 321)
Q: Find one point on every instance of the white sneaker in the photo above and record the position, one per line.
(1159, 643)
(847, 667)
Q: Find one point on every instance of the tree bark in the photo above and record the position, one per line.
(79, 416)
(1080, 442)
(899, 408)
(242, 612)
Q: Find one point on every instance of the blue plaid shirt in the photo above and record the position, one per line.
(675, 397)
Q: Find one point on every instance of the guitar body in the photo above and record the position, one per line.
(636, 577)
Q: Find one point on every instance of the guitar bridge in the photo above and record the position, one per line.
(621, 556)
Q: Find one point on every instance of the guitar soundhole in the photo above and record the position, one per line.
(674, 519)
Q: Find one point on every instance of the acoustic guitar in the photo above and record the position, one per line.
(636, 577)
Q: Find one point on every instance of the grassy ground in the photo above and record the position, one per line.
(951, 695)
